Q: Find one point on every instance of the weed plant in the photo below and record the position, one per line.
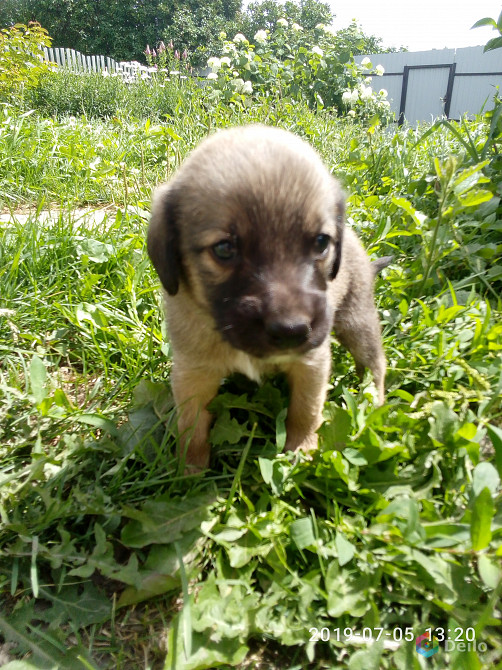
(112, 558)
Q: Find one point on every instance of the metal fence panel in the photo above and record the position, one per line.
(426, 92)
(418, 91)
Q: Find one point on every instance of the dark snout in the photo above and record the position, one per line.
(287, 333)
(275, 318)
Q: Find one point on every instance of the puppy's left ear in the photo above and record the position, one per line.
(163, 238)
(340, 226)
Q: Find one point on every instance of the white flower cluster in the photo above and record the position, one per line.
(363, 94)
(241, 86)
(329, 30)
(217, 63)
(224, 64)
(261, 36)
(379, 70)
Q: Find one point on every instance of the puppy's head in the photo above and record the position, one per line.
(251, 229)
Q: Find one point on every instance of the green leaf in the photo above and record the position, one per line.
(206, 653)
(367, 659)
(302, 533)
(83, 605)
(347, 593)
(468, 178)
(275, 473)
(38, 379)
(485, 22)
(338, 465)
(160, 572)
(162, 522)
(415, 214)
(495, 435)
(475, 198)
(495, 43)
(49, 656)
(443, 534)
(169, 131)
(485, 475)
(227, 430)
(444, 423)
(98, 421)
(246, 548)
(335, 430)
(266, 469)
(344, 548)
(95, 251)
(489, 571)
(92, 314)
(482, 514)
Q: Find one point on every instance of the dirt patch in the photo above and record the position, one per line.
(85, 215)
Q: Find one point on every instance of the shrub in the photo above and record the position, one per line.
(64, 93)
(22, 60)
(98, 95)
(291, 64)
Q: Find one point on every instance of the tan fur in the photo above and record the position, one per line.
(272, 307)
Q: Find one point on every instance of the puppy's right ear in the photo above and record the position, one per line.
(163, 238)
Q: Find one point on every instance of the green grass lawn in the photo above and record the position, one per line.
(111, 558)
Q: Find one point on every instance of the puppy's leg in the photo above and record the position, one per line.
(308, 385)
(193, 390)
(360, 333)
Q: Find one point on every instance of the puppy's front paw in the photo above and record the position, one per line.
(308, 444)
(196, 458)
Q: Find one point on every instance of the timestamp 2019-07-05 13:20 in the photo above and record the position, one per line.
(427, 643)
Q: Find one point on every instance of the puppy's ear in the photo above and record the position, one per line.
(340, 226)
(163, 238)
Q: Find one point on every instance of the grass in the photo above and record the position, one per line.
(112, 558)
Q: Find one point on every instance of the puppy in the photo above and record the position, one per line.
(250, 245)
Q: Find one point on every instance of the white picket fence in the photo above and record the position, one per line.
(78, 62)
(451, 83)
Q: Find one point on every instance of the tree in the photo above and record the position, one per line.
(117, 28)
(264, 15)
(196, 30)
(354, 40)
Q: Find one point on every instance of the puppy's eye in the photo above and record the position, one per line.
(225, 250)
(321, 244)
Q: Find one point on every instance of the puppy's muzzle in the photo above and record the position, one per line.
(287, 333)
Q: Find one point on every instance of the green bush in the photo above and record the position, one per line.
(289, 63)
(21, 58)
(66, 93)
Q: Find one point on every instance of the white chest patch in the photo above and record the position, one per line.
(248, 366)
(256, 368)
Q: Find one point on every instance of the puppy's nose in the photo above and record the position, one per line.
(287, 334)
